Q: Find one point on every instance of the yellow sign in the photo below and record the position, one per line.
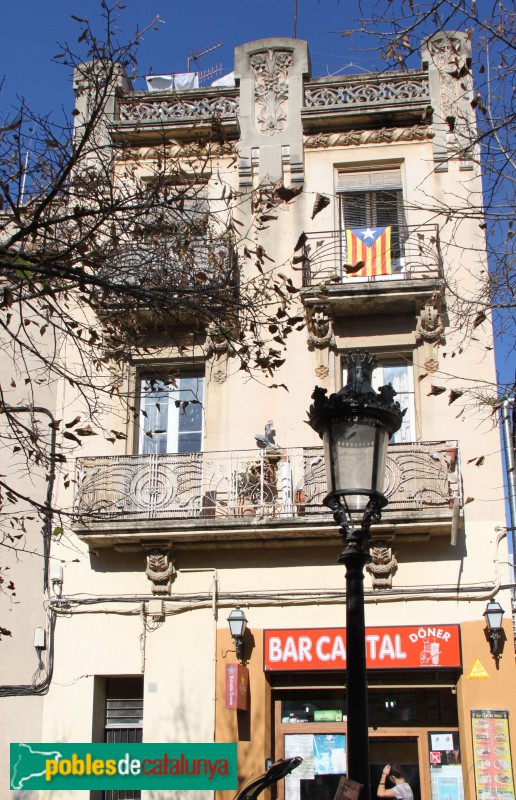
(477, 671)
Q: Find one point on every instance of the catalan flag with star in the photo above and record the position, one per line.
(369, 249)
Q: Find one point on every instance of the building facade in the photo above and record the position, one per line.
(207, 505)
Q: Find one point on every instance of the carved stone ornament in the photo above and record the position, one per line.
(431, 365)
(216, 343)
(416, 133)
(446, 52)
(322, 371)
(429, 332)
(220, 376)
(160, 571)
(320, 327)
(320, 337)
(383, 565)
(271, 89)
(172, 109)
(429, 326)
(366, 92)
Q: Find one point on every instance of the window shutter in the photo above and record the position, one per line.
(372, 180)
(124, 712)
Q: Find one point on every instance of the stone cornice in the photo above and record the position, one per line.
(414, 133)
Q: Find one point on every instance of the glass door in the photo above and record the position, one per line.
(402, 750)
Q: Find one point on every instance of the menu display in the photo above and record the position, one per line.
(492, 754)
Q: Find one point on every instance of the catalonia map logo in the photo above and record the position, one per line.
(123, 766)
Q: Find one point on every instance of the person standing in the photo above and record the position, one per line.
(400, 788)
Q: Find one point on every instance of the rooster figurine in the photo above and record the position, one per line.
(267, 440)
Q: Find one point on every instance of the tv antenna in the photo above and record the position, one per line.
(201, 53)
(205, 74)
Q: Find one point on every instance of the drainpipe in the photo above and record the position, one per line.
(509, 445)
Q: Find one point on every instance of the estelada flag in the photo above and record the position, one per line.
(373, 247)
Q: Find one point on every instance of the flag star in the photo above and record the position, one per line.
(368, 234)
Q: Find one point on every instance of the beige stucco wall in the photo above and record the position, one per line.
(182, 653)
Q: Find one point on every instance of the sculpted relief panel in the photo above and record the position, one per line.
(270, 69)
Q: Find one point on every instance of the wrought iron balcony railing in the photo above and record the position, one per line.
(421, 477)
(415, 255)
(170, 264)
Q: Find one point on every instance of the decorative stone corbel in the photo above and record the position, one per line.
(429, 332)
(216, 349)
(320, 337)
(160, 570)
(383, 565)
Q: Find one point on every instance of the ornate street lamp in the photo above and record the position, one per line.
(237, 625)
(355, 425)
(493, 616)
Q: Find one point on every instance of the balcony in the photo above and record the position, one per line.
(416, 272)
(157, 270)
(253, 494)
(366, 101)
(330, 103)
(140, 115)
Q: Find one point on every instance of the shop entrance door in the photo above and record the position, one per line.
(402, 750)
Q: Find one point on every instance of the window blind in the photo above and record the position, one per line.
(372, 180)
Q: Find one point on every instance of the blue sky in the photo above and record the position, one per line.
(30, 30)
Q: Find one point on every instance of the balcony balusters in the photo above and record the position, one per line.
(249, 484)
(416, 256)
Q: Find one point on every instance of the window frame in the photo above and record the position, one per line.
(168, 427)
(369, 183)
(407, 399)
(130, 730)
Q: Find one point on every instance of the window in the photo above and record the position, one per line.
(123, 721)
(171, 414)
(399, 373)
(369, 199)
(181, 209)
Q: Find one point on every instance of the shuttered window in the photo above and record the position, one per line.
(375, 198)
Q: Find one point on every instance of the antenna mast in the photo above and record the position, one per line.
(201, 53)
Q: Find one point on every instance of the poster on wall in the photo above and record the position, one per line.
(329, 754)
(301, 744)
(492, 754)
(322, 754)
(446, 780)
(448, 787)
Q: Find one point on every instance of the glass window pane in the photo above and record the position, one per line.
(314, 706)
(399, 375)
(171, 415)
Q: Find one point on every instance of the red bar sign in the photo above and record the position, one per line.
(405, 647)
(237, 683)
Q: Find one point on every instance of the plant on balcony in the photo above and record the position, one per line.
(257, 484)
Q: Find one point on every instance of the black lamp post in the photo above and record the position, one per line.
(355, 425)
(493, 616)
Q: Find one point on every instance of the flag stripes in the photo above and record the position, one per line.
(373, 247)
